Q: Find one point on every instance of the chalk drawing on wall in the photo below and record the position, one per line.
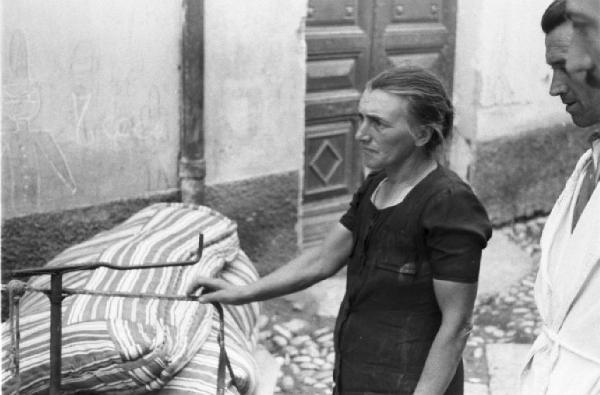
(83, 69)
(27, 153)
(137, 126)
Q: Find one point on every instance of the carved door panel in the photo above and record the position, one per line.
(338, 45)
(338, 37)
(348, 42)
(416, 32)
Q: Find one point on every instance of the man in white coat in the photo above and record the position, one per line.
(565, 358)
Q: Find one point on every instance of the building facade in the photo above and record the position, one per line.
(250, 107)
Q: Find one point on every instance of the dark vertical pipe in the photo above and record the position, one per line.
(55, 331)
(192, 166)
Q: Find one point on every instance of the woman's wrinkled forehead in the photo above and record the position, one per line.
(377, 98)
(390, 98)
(384, 105)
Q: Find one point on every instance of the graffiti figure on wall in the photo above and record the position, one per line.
(83, 70)
(26, 153)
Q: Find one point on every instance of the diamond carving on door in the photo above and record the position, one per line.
(327, 150)
(325, 162)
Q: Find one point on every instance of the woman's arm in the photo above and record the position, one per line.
(456, 302)
(302, 272)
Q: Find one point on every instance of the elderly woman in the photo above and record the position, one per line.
(412, 241)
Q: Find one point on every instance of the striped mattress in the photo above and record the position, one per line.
(134, 345)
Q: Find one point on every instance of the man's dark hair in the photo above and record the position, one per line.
(554, 16)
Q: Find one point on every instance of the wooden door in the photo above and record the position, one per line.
(348, 42)
(418, 32)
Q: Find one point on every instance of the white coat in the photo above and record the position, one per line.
(565, 358)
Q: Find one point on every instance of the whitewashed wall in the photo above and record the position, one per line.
(501, 80)
(254, 88)
(90, 95)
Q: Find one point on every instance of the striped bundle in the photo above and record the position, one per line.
(134, 345)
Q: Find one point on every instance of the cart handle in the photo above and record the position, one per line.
(37, 271)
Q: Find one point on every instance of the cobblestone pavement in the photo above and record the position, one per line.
(302, 343)
(305, 355)
(510, 316)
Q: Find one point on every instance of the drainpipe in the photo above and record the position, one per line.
(192, 166)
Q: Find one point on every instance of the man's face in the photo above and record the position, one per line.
(384, 132)
(584, 53)
(582, 101)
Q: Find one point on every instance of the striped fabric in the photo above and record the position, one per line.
(134, 345)
(200, 375)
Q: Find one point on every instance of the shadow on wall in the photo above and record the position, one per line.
(33, 240)
(265, 210)
(522, 176)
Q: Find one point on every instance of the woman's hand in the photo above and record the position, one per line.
(217, 290)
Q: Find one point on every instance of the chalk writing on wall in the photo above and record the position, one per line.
(27, 152)
(82, 126)
(83, 70)
(124, 114)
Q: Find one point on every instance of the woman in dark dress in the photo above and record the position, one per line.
(412, 241)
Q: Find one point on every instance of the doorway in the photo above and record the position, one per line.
(348, 42)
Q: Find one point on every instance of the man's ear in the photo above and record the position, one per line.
(422, 135)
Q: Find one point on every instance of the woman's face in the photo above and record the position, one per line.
(384, 132)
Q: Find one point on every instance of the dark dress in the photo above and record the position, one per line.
(389, 316)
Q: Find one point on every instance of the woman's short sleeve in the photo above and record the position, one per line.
(457, 230)
(349, 218)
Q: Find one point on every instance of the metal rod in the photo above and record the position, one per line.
(95, 265)
(55, 331)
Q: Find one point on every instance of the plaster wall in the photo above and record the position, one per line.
(514, 142)
(501, 80)
(254, 88)
(90, 109)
